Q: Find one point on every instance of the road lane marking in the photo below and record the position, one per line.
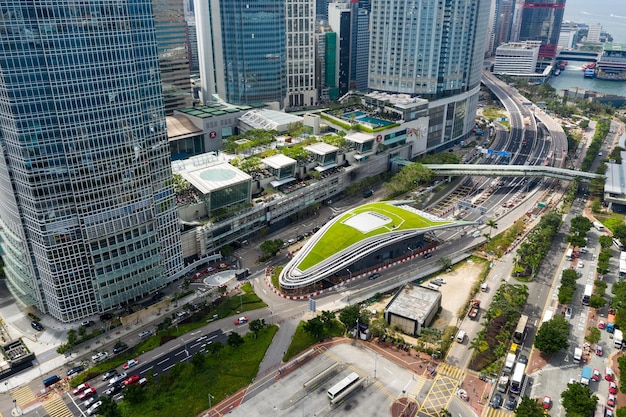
(163, 361)
(169, 367)
(178, 353)
(146, 370)
(193, 346)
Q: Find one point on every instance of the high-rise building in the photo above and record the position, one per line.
(541, 21)
(503, 20)
(171, 31)
(87, 210)
(594, 32)
(433, 50)
(192, 37)
(301, 91)
(241, 47)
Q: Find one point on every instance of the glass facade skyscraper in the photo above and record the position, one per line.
(87, 210)
(541, 21)
(242, 50)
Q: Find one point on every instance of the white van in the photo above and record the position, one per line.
(433, 286)
(460, 336)
(484, 287)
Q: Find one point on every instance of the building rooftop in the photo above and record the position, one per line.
(359, 137)
(207, 173)
(179, 126)
(520, 45)
(413, 302)
(615, 174)
(278, 161)
(614, 47)
(321, 148)
(269, 119)
(216, 109)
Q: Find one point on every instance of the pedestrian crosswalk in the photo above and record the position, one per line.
(55, 407)
(496, 412)
(451, 371)
(23, 396)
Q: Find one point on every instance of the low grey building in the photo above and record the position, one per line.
(413, 308)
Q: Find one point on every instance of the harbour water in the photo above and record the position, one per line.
(611, 14)
(572, 77)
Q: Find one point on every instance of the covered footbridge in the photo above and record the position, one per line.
(510, 171)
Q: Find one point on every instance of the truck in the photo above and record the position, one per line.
(618, 338)
(599, 226)
(585, 375)
(568, 254)
(509, 363)
(578, 354)
(474, 309)
(503, 384)
(610, 321)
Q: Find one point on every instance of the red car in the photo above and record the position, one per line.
(130, 363)
(131, 379)
(611, 400)
(601, 324)
(598, 350)
(612, 388)
(87, 393)
(241, 320)
(547, 402)
(596, 376)
(80, 388)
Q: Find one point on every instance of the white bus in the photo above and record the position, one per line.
(587, 294)
(568, 255)
(340, 387)
(622, 264)
(518, 377)
(520, 330)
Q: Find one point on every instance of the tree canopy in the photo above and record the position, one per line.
(271, 247)
(529, 407)
(578, 400)
(552, 336)
(408, 178)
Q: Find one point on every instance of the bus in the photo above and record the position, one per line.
(622, 264)
(520, 330)
(568, 254)
(518, 377)
(341, 387)
(587, 294)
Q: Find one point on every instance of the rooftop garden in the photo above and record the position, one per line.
(341, 236)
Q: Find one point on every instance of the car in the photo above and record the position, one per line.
(87, 323)
(109, 374)
(440, 280)
(80, 388)
(209, 270)
(580, 265)
(496, 401)
(106, 316)
(225, 265)
(612, 387)
(374, 276)
(511, 402)
(610, 401)
(113, 389)
(608, 374)
(131, 379)
(118, 378)
(75, 370)
(94, 408)
(601, 324)
(142, 382)
(523, 359)
(119, 347)
(87, 403)
(241, 320)
(145, 334)
(99, 357)
(428, 255)
(87, 393)
(130, 363)
(608, 412)
(547, 402)
(568, 313)
(36, 325)
(599, 350)
(596, 376)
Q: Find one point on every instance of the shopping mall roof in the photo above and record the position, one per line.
(321, 148)
(179, 126)
(269, 119)
(359, 137)
(278, 161)
(207, 173)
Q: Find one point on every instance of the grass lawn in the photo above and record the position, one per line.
(610, 220)
(341, 236)
(184, 390)
(302, 339)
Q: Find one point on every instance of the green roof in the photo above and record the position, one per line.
(341, 236)
(615, 47)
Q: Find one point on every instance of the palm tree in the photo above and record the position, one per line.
(491, 224)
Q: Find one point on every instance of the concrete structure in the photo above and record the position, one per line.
(185, 138)
(541, 21)
(87, 208)
(511, 170)
(282, 167)
(612, 63)
(567, 36)
(301, 91)
(435, 52)
(268, 120)
(241, 46)
(594, 32)
(413, 308)
(503, 20)
(615, 184)
(517, 58)
(324, 154)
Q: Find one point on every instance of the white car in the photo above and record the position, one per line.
(99, 357)
(94, 408)
(118, 378)
(130, 363)
(440, 280)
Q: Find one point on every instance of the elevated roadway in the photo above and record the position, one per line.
(510, 171)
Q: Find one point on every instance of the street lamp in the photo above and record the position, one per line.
(349, 283)
(210, 398)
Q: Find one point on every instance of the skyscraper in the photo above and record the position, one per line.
(541, 21)
(301, 91)
(241, 47)
(87, 211)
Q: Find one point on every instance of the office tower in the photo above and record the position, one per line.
(594, 32)
(87, 211)
(241, 46)
(339, 19)
(321, 10)
(424, 48)
(301, 91)
(359, 53)
(504, 13)
(541, 21)
(192, 37)
(171, 32)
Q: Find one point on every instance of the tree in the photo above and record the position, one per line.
(605, 241)
(348, 315)
(578, 400)
(72, 337)
(552, 336)
(491, 224)
(327, 317)
(315, 327)
(198, 360)
(271, 247)
(620, 232)
(596, 301)
(215, 348)
(580, 225)
(134, 393)
(445, 262)
(109, 408)
(256, 326)
(234, 339)
(594, 335)
(529, 407)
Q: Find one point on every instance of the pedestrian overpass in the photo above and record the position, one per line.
(510, 171)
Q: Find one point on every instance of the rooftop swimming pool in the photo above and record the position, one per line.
(360, 116)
